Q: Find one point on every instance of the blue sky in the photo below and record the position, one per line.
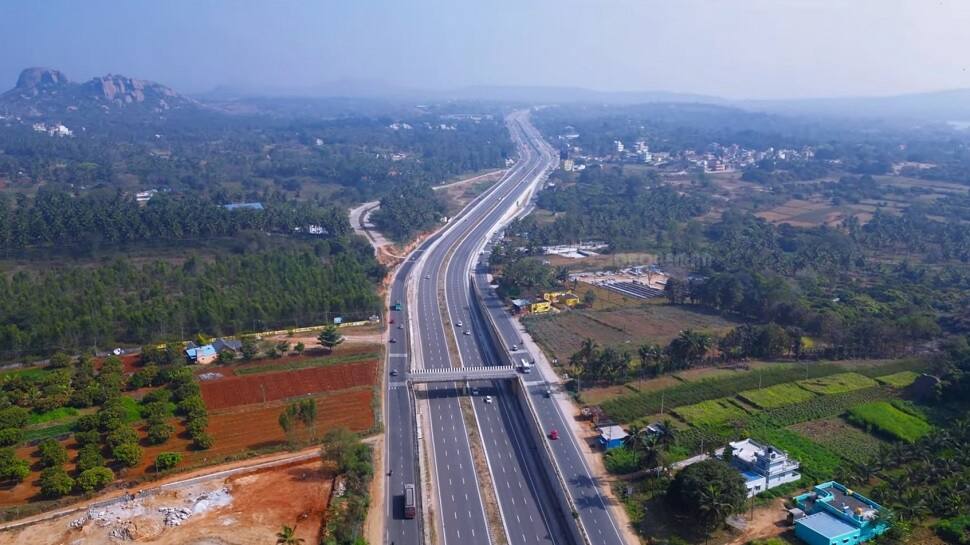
(733, 48)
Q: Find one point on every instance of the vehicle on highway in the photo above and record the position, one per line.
(474, 391)
(396, 305)
(515, 347)
(390, 320)
(393, 340)
(547, 392)
(394, 372)
(400, 326)
(525, 365)
(488, 399)
(468, 332)
(459, 324)
(409, 501)
(427, 277)
(554, 434)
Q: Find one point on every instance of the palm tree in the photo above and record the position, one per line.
(667, 434)
(287, 536)
(713, 508)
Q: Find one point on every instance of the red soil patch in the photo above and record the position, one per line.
(246, 390)
(235, 431)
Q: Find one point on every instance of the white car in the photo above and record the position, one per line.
(427, 277)
(488, 399)
(459, 324)
(468, 333)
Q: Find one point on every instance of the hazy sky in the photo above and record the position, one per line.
(732, 48)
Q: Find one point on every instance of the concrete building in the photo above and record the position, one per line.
(762, 466)
(835, 515)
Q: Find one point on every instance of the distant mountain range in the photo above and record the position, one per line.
(44, 93)
(47, 94)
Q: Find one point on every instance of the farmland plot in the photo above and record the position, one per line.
(885, 418)
(777, 396)
(837, 384)
(711, 412)
(842, 438)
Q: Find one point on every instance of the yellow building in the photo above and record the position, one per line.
(566, 298)
(538, 307)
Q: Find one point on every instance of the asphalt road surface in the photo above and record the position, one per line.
(529, 515)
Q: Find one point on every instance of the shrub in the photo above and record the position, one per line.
(121, 436)
(203, 441)
(128, 454)
(89, 457)
(14, 417)
(55, 482)
(12, 468)
(159, 432)
(87, 437)
(192, 407)
(167, 460)
(11, 436)
(621, 461)
(955, 530)
(95, 478)
(88, 422)
(160, 395)
(197, 426)
(52, 453)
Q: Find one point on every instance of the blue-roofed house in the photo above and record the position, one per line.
(612, 437)
(201, 354)
(208, 353)
(244, 206)
(836, 515)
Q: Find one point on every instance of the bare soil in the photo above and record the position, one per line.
(254, 507)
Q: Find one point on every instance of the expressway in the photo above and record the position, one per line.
(437, 274)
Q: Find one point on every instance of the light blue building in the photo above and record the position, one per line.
(835, 515)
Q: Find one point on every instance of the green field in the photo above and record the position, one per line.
(711, 412)
(817, 462)
(51, 415)
(883, 417)
(778, 395)
(842, 438)
(901, 379)
(837, 384)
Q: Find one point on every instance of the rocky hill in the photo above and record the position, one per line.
(47, 94)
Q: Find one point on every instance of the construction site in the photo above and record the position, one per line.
(639, 282)
(246, 507)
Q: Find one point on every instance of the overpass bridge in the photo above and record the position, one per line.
(462, 374)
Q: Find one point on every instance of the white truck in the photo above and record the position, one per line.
(525, 365)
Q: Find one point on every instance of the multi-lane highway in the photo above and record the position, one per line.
(438, 312)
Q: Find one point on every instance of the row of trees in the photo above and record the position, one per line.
(608, 364)
(77, 308)
(57, 218)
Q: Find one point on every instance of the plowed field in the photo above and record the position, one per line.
(262, 388)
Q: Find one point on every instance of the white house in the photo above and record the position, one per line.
(762, 466)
